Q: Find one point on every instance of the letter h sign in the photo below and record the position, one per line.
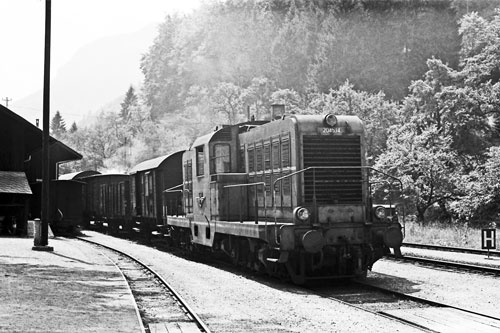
(488, 239)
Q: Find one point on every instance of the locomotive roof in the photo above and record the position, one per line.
(354, 122)
(152, 163)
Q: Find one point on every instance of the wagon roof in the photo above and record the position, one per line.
(78, 174)
(152, 163)
(105, 175)
(14, 182)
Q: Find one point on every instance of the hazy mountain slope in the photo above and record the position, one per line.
(97, 74)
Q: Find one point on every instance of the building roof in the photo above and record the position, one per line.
(33, 137)
(14, 182)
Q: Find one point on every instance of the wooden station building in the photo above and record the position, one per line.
(21, 176)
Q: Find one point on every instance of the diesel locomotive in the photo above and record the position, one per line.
(290, 197)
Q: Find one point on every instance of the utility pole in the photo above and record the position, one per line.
(41, 243)
(7, 100)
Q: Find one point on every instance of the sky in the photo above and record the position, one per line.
(74, 23)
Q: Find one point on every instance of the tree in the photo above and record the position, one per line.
(290, 98)
(424, 161)
(227, 99)
(377, 113)
(73, 128)
(258, 96)
(462, 103)
(57, 125)
(481, 190)
(128, 103)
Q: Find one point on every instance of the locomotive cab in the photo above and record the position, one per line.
(214, 186)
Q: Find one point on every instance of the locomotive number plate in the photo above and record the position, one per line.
(329, 130)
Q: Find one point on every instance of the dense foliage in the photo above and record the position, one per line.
(447, 139)
(423, 75)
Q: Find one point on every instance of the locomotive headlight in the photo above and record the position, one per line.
(330, 120)
(380, 212)
(302, 214)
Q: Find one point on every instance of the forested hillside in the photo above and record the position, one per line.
(303, 46)
(422, 76)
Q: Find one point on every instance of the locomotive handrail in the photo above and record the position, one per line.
(256, 202)
(171, 189)
(338, 167)
(313, 168)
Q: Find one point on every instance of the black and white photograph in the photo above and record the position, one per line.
(249, 166)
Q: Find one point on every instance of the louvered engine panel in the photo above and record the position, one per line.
(339, 186)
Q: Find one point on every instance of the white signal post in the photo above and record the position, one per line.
(488, 239)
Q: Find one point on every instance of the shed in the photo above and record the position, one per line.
(14, 194)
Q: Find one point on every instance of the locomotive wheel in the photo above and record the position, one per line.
(240, 253)
(175, 237)
(296, 268)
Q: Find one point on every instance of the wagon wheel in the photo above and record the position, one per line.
(235, 254)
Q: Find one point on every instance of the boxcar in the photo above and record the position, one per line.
(150, 202)
(68, 201)
(107, 202)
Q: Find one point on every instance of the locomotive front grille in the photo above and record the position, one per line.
(332, 186)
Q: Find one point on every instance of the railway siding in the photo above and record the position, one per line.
(478, 259)
(446, 319)
(477, 292)
(421, 313)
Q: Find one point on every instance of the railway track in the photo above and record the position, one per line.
(160, 307)
(452, 249)
(420, 313)
(448, 264)
(456, 263)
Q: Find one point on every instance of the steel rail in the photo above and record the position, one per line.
(446, 263)
(366, 286)
(368, 310)
(452, 249)
(421, 300)
(203, 327)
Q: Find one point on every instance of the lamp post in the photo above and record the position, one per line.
(41, 238)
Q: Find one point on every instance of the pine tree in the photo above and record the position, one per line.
(129, 101)
(57, 126)
(73, 128)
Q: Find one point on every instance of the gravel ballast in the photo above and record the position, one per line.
(472, 291)
(233, 302)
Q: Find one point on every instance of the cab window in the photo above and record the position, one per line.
(221, 161)
(200, 161)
